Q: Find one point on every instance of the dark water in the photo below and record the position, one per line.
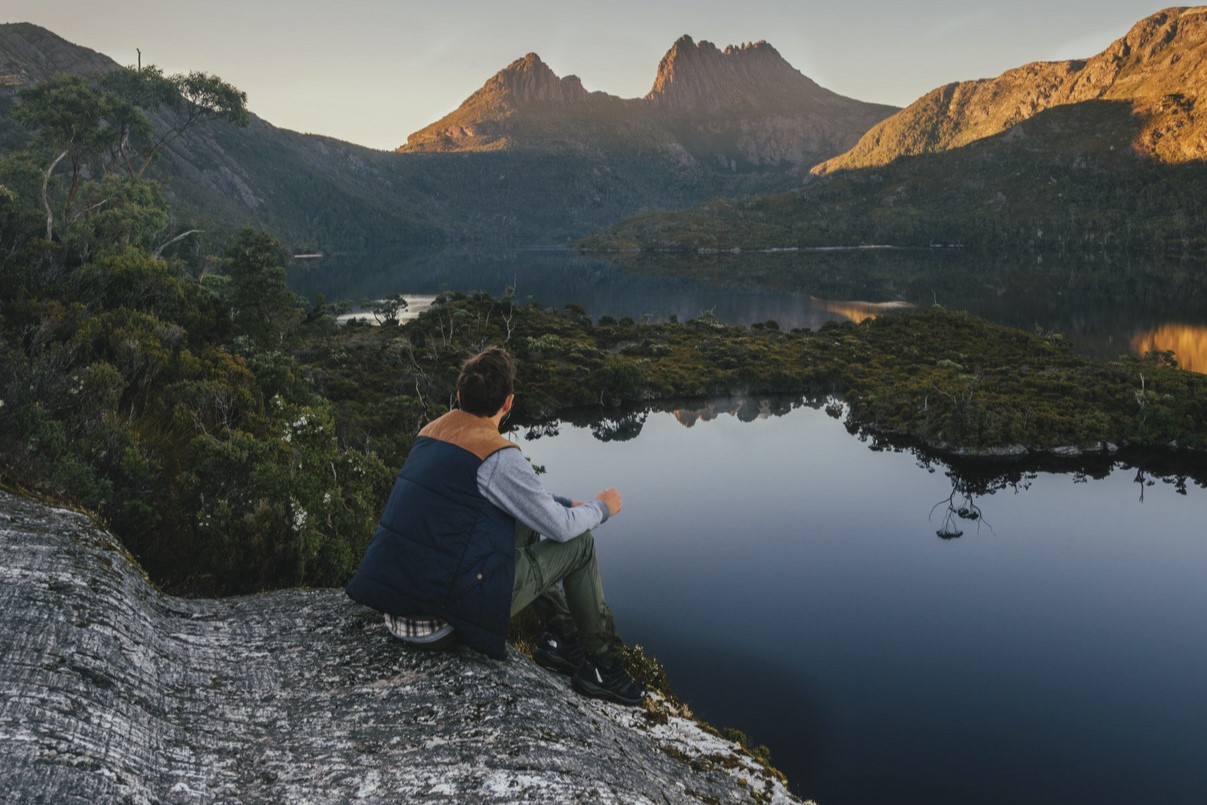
(1106, 308)
(792, 581)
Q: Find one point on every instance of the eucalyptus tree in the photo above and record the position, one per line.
(183, 101)
(120, 122)
(73, 119)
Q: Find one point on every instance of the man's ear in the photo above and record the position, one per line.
(458, 399)
(506, 409)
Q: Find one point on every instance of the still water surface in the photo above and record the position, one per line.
(1105, 308)
(792, 582)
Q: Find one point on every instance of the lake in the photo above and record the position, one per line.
(793, 581)
(1105, 308)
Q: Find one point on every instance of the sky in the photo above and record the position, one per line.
(373, 71)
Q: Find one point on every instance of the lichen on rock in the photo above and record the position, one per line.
(112, 691)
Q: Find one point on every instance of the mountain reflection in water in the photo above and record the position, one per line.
(898, 628)
(862, 311)
(1188, 342)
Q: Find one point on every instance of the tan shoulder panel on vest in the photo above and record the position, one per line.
(476, 434)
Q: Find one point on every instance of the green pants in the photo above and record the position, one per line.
(540, 564)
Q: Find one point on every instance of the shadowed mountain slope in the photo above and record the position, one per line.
(1064, 180)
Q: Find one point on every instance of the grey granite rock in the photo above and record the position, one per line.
(113, 692)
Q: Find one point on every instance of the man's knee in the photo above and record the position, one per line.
(586, 542)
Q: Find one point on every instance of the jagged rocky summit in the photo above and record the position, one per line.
(743, 107)
(700, 78)
(114, 692)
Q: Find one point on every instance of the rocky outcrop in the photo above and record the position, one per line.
(113, 692)
(1159, 66)
(739, 108)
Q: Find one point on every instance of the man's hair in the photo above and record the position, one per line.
(485, 381)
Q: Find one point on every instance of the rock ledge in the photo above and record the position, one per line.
(111, 691)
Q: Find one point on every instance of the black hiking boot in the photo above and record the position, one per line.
(602, 676)
(557, 653)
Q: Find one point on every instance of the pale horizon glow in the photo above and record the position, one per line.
(371, 71)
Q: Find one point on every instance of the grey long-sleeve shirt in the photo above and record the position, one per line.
(507, 480)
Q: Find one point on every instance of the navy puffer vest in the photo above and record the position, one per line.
(441, 549)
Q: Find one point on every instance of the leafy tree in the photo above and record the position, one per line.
(117, 212)
(128, 277)
(10, 223)
(208, 97)
(385, 311)
(191, 98)
(72, 119)
(141, 89)
(261, 306)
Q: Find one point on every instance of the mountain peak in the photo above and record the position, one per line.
(483, 122)
(697, 76)
(529, 79)
(529, 62)
(685, 46)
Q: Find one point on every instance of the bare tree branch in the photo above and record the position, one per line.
(181, 236)
(46, 195)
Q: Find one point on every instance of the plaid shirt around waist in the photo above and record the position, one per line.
(418, 630)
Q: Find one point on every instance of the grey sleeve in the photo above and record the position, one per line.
(507, 480)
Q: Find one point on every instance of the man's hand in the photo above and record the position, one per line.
(612, 498)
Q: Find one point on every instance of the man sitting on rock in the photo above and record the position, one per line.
(459, 548)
